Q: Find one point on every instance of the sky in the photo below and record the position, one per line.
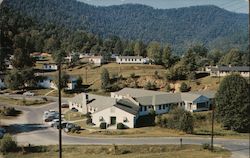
(240, 6)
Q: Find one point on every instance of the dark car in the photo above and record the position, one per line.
(70, 126)
(64, 105)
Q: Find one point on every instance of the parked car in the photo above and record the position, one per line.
(49, 118)
(74, 110)
(53, 122)
(28, 93)
(65, 105)
(2, 130)
(63, 125)
(70, 126)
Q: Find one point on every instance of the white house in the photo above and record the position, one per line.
(46, 82)
(220, 71)
(131, 60)
(2, 84)
(50, 67)
(128, 104)
(96, 60)
(106, 109)
(71, 83)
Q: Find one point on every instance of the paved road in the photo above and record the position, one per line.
(32, 131)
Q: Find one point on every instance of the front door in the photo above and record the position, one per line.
(112, 120)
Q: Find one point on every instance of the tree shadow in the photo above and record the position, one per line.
(21, 128)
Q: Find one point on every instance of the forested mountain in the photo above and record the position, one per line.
(210, 25)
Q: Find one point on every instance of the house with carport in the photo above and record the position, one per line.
(128, 104)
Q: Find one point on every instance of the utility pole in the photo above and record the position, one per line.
(86, 75)
(60, 110)
(212, 134)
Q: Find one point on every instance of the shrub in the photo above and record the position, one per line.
(121, 126)
(103, 125)
(177, 119)
(150, 86)
(168, 88)
(132, 75)
(9, 111)
(7, 144)
(206, 146)
(184, 87)
(89, 121)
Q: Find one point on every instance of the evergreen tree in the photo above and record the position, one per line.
(233, 103)
(105, 79)
(166, 56)
(154, 52)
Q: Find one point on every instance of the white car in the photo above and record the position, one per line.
(28, 93)
(53, 122)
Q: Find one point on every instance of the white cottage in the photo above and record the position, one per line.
(131, 60)
(96, 60)
(2, 84)
(50, 67)
(220, 71)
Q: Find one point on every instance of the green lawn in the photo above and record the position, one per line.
(123, 151)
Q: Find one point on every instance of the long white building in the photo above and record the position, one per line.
(128, 104)
(131, 60)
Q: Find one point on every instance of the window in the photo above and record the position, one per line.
(159, 107)
(164, 106)
(125, 119)
(100, 118)
(145, 108)
(140, 108)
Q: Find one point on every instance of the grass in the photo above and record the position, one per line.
(122, 151)
(22, 102)
(202, 127)
(73, 116)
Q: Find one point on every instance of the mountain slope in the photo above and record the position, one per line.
(180, 27)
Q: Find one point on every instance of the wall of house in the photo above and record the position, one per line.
(121, 117)
(80, 107)
(131, 61)
(222, 74)
(162, 109)
(46, 84)
(50, 67)
(2, 84)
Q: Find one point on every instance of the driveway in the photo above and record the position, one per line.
(31, 130)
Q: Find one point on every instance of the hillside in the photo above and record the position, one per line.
(215, 27)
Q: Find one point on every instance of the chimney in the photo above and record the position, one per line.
(153, 100)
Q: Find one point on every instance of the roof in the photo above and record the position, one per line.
(128, 106)
(208, 94)
(232, 68)
(130, 57)
(135, 92)
(147, 97)
(160, 99)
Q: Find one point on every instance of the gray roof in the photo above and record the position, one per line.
(232, 68)
(160, 99)
(208, 94)
(102, 102)
(128, 106)
(147, 97)
(135, 93)
(130, 57)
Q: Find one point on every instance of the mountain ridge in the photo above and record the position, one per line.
(180, 27)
